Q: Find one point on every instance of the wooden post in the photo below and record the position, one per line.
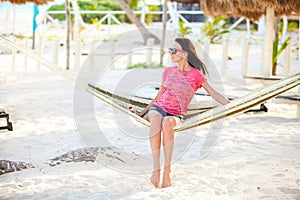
(149, 44)
(25, 55)
(112, 53)
(268, 43)
(109, 25)
(55, 51)
(92, 55)
(225, 53)
(129, 54)
(40, 50)
(284, 29)
(287, 59)
(248, 28)
(13, 57)
(245, 57)
(77, 54)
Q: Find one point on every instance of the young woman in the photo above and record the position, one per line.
(179, 83)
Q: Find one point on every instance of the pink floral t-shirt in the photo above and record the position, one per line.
(179, 89)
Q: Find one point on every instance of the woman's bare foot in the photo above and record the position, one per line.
(166, 180)
(155, 178)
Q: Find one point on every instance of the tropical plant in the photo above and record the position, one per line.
(58, 7)
(109, 5)
(104, 5)
(133, 4)
(214, 29)
(145, 65)
(151, 17)
(183, 29)
(278, 50)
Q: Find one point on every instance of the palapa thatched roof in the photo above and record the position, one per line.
(38, 2)
(186, 1)
(215, 7)
(254, 9)
(251, 9)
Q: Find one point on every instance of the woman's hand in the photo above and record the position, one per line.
(131, 109)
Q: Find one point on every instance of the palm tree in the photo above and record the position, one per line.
(145, 33)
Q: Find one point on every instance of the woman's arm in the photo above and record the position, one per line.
(215, 95)
(150, 104)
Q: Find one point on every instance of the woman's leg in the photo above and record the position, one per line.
(169, 122)
(155, 119)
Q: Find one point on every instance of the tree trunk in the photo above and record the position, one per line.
(268, 43)
(145, 33)
(68, 20)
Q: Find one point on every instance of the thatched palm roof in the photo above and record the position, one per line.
(186, 1)
(252, 9)
(38, 2)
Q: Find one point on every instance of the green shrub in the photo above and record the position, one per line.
(214, 29)
(151, 17)
(183, 29)
(145, 66)
(102, 5)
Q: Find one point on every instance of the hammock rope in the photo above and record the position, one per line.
(121, 103)
(126, 101)
(236, 106)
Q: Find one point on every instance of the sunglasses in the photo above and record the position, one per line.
(174, 50)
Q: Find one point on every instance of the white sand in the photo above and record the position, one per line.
(248, 156)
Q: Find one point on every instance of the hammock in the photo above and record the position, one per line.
(236, 106)
(121, 102)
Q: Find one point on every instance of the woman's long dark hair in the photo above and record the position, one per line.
(193, 59)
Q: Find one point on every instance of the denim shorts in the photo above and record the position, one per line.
(164, 113)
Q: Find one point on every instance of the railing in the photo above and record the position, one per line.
(174, 14)
(111, 15)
